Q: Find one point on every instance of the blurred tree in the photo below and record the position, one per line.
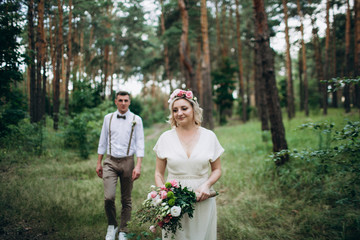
(347, 59)
(289, 85)
(304, 62)
(241, 70)
(224, 85)
(206, 78)
(12, 104)
(357, 50)
(59, 51)
(268, 79)
(68, 62)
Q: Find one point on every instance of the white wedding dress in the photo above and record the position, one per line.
(192, 172)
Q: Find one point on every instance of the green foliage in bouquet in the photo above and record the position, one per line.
(165, 207)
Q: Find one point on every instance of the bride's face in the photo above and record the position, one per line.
(183, 112)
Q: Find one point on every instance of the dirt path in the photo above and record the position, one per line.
(158, 129)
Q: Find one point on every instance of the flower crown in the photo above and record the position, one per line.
(178, 93)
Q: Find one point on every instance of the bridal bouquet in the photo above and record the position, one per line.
(165, 206)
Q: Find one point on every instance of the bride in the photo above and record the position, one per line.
(188, 151)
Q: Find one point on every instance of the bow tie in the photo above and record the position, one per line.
(123, 117)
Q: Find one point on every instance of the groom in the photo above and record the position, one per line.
(122, 137)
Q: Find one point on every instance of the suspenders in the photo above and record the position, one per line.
(132, 130)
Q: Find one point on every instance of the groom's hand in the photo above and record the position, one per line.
(136, 173)
(99, 170)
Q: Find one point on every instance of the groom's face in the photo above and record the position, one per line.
(122, 103)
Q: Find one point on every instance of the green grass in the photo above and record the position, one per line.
(59, 196)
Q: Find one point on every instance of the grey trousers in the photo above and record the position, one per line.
(113, 169)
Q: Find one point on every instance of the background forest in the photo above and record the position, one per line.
(278, 82)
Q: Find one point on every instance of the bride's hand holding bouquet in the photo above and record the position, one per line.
(166, 205)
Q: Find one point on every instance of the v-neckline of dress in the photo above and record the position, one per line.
(195, 145)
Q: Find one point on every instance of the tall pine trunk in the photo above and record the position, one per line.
(318, 57)
(357, 50)
(198, 74)
(59, 46)
(304, 65)
(207, 86)
(40, 51)
(224, 31)
(166, 50)
(327, 60)
(184, 48)
(301, 83)
(289, 86)
(218, 35)
(260, 93)
(241, 72)
(334, 73)
(107, 51)
(268, 79)
(69, 54)
(31, 65)
(347, 60)
(52, 47)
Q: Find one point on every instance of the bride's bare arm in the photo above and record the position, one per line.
(160, 172)
(203, 192)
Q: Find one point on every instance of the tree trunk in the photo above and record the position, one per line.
(69, 54)
(334, 73)
(218, 35)
(199, 69)
(166, 50)
(347, 60)
(303, 46)
(260, 90)
(268, 78)
(81, 62)
(31, 66)
(224, 28)
(318, 58)
(52, 55)
(112, 71)
(184, 48)
(59, 46)
(241, 72)
(327, 60)
(357, 50)
(106, 51)
(289, 86)
(301, 82)
(40, 51)
(207, 86)
(231, 31)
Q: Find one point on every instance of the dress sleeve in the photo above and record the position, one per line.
(218, 149)
(159, 147)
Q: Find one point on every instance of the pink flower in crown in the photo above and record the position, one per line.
(163, 194)
(174, 94)
(189, 94)
(181, 93)
(174, 183)
(153, 194)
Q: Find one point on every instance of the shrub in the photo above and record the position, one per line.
(76, 135)
(327, 178)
